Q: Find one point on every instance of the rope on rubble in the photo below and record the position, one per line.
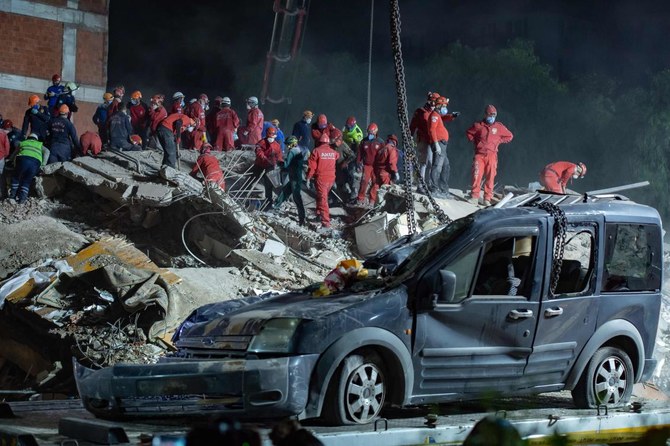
(411, 164)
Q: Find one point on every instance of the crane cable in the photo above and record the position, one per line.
(411, 164)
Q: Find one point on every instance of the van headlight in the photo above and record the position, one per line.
(276, 336)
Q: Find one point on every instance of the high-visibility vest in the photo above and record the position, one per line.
(31, 148)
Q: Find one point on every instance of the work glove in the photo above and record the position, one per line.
(455, 114)
(396, 177)
(437, 150)
(51, 94)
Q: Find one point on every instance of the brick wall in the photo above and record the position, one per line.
(97, 6)
(14, 104)
(35, 48)
(91, 57)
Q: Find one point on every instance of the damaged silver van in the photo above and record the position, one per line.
(548, 293)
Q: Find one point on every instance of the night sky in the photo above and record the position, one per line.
(219, 47)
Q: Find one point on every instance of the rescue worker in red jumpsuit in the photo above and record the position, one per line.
(208, 165)
(385, 166)
(210, 119)
(118, 94)
(268, 155)
(156, 114)
(322, 126)
(251, 133)
(169, 132)
(419, 128)
(367, 152)
(139, 117)
(321, 168)
(90, 142)
(486, 135)
(555, 176)
(196, 111)
(437, 171)
(226, 126)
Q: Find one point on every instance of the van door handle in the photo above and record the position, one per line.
(553, 312)
(520, 314)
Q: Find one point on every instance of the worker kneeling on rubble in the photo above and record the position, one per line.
(321, 167)
(209, 166)
(31, 156)
(555, 176)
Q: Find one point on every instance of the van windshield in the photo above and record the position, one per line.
(436, 242)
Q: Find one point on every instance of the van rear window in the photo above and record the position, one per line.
(632, 258)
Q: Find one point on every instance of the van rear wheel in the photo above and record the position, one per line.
(608, 379)
(357, 391)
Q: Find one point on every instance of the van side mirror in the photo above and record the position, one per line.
(447, 286)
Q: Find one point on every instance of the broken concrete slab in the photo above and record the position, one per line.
(182, 179)
(263, 262)
(152, 194)
(274, 248)
(34, 240)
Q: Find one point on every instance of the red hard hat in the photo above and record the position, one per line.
(203, 97)
(55, 78)
(206, 148)
(432, 96)
(351, 121)
(442, 101)
(136, 139)
(490, 110)
(324, 138)
(583, 167)
(392, 138)
(7, 124)
(271, 131)
(372, 128)
(63, 109)
(322, 121)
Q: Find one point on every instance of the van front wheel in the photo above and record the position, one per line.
(608, 379)
(357, 391)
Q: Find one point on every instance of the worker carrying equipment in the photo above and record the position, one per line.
(555, 176)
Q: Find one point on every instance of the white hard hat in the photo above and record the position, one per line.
(252, 100)
(225, 100)
(178, 95)
(33, 136)
(72, 87)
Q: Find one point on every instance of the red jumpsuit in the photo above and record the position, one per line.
(385, 166)
(210, 168)
(419, 125)
(111, 110)
(176, 107)
(555, 176)
(330, 129)
(196, 138)
(321, 165)
(227, 122)
(139, 118)
(91, 144)
(486, 139)
(367, 152)
(254, 127)
(156, 116)
(4, 146)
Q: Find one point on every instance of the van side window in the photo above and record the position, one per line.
(506, 267)
(632, 258)
(578, 261)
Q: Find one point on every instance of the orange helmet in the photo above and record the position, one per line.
(372, 128)
(33, 99)
(136, 139)
(137, 94)
(325, 138)
(271, 132)
(107, 96)
(63, 109)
